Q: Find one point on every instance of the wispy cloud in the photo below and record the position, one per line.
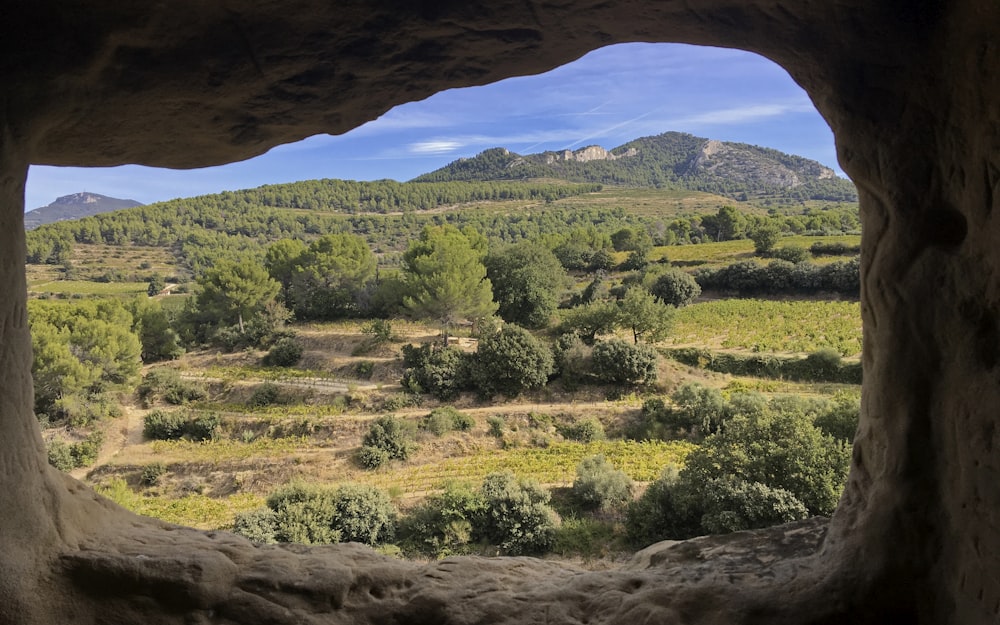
(744, 114)
(435, 147)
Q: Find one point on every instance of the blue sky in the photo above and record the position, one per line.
(607, 98)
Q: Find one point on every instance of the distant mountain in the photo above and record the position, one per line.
(75, 206)
(670, 160)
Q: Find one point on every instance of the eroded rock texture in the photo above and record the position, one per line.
(911, 91)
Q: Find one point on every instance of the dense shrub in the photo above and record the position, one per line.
(302, 514)
(256, 525)
(510, 362)
(166, 426)
(203, 427)
(585, 430)
(445, 419)
(318, 515)
(781, 277)
(286, 352)
(372, 457)
(60, 455)
(68, 456)
(782, 449)
(571, 358)
(85, 452)
(391, 436)
(496, 426)
(516, 516)
(732, 505)
(678, 506)
(364, 514)
(694, 411)
(442, 372)
(834, 249)
(841, 419)
(791, 253)
(599, 485)
(167, 383)
(818, 369)
(151, 473)
(443, 524)
(676, 288)
(264, 395)
(768, 464)
(619, 362)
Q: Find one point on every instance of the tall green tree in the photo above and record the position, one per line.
(446, 278)
(648, 318)
(330, 278)
(527, 279)
(281, 261)
(232, 292)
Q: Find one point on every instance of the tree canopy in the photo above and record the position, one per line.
(445, 277)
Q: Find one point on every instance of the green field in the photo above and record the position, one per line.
(86, 287)
(553, 465)
(801, 326)
(726, 252)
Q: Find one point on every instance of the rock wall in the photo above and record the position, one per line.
(910, 90)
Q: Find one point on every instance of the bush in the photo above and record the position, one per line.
(86, 451)
(584, 431)
(732, 505)
(443, 524)
(510, 362)
(680, 506)
(264, 395)
(571, 358)
(443, 420)
(164, 426)
(151, 473)
(662, 512)
(389, 435)
(768, 366)
(618, 362)
(841, 420)
(496, 426)
(791, 253)
(167, 383)
(599, 485)
(372, 457)
(60, 455)
(364, 514)
(676, 288)
(168, 426)
(364, 369)
(316, 515)
(256, 525)
(203, 427)
(442, 372)
(286, 352)
(303, 514)
(824, 363)
(779, 449)
(516, 515)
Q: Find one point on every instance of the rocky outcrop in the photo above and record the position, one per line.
(587, 154)
(910, 92)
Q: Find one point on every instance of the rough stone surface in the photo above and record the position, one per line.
(910, 90)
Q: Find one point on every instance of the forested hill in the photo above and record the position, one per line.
(671, 160)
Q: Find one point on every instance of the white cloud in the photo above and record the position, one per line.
(744, 114)
(435, 147)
